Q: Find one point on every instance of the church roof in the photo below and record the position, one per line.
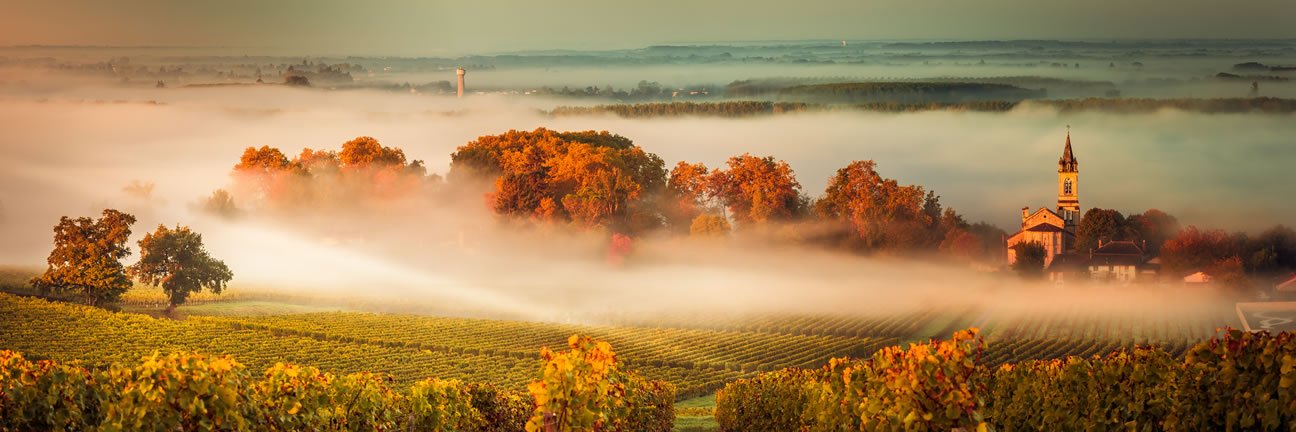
(1068, 162)
(1045, 209)
(1043, 227)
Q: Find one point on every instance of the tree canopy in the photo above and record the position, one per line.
(709, 225)
(690, 193)
(86, 260)
(1195, 250)
(1030, 259)
(176, 261)
(588, 178)
(363, 172)
(1152, 226)
(758, 189)
(600, 180)
(1271, 251)
(1099, 225)
(882, 212)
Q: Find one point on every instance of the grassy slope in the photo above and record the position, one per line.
(696, 415)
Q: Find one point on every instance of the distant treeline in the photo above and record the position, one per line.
(907, 92)
(702, 109)
(737, 109)
(1207, 106)
(1261, 67)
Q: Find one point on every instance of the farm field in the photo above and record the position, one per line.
(408, 347)
(698, 356)
(812, 217)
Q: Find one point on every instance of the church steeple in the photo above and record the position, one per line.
(1068, 162)
(1068, 204)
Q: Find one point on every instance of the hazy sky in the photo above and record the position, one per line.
(439, 27)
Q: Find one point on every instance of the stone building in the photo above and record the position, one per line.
(1054, 228)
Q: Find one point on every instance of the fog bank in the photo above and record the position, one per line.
(75, 150)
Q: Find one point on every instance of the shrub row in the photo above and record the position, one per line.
(924, 387)
(193, 392)
(1234, 381)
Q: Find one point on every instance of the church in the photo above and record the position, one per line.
(1054, 228)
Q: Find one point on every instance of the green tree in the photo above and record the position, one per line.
(1099, 224)
(86, 259)
(1272, 251)
(1153, 226)
(1030, 259)
(175, 260)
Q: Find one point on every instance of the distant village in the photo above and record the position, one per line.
(1111, 261)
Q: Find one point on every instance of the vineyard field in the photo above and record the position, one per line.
(698, 355)
(408, 347)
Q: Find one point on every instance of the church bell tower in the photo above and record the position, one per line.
(1068, 205)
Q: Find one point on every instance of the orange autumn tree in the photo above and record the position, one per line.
(86, 260)
(689, 194)
(883, 213)
(264, 174)
(758, 190)
(363, 172)
(587, 178)
(1194, 249)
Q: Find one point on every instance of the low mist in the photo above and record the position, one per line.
(72, 150)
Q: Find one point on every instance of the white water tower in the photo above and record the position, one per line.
(460, 72)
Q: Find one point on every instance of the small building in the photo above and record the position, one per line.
(1199, 277)
(1118, 261)
(1068, 268)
